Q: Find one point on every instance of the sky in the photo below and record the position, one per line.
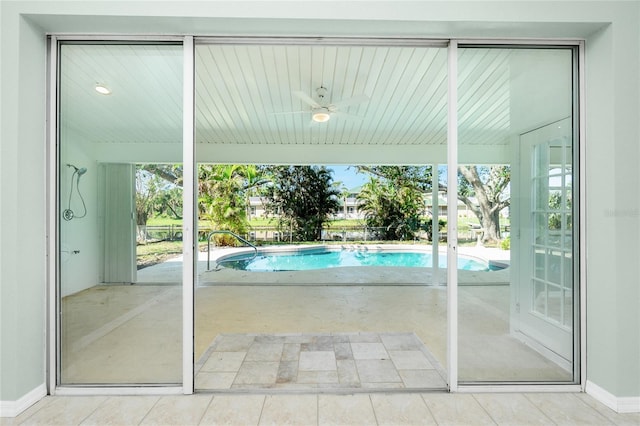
(348, 176)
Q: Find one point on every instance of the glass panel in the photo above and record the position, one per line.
(319, 284)
(514, 318)
(120, 241)
(540, 297)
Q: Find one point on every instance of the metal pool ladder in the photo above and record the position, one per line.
(236, 236)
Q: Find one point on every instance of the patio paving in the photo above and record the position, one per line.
(329, 361)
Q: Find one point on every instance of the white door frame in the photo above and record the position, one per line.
(190, 229)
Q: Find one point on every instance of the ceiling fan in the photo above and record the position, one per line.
(322, 111)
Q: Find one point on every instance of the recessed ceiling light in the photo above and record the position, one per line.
(102, 89)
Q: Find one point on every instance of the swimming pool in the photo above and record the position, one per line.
(322, 258)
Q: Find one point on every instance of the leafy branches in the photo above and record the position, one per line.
(303, 198)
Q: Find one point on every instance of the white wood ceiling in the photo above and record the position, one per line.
(241, 89)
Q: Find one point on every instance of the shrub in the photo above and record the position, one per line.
(506, 244)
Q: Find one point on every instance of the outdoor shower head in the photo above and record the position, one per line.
(80, 172)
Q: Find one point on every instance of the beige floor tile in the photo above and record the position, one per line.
(178, 410)
(284, 410)
(66, 411)
(401, 409)
(512, 408)
(345, 410)
(456, 409)
(233, 410)
(121, 410)
(622, 419)
(566, 409)
(10, 421)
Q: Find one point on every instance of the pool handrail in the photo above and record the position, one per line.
(236, 236)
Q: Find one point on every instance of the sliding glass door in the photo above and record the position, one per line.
(271, 106)
(119, 258)
(518, 320)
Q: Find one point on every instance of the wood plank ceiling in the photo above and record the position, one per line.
(244, 94)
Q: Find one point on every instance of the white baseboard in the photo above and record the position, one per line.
(14, 408)
(618, 404)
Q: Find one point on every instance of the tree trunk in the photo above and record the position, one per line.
(491, 227)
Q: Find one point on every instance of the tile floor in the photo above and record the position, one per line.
(325, 409)
(302, 361)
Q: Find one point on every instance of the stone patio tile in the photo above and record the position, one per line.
(369, 351)
(422, 379)
(257, 373)
(393, 385)
(410, 360)
(265, 352)
(343, 350)
(377, 371)
(364, 338)
(317, 361)
(340, 338)
(299, 338)
(291, 352)
(224, 361)
(317, 377)
(347, 372)
(287, 372)
(269, 338)
(318, 343)
(218, 380)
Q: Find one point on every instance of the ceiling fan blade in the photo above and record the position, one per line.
(345, 103)
(306, 98)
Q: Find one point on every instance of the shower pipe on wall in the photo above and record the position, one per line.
(68, 214)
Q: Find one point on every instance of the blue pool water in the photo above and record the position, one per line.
(322, 259)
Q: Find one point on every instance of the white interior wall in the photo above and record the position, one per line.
(22, 209)
(611, 153)
(613, 206)
(78, 271)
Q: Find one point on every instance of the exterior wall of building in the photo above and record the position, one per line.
(612, 149)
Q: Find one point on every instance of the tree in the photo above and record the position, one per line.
(155, 195)
(303, 198)
(418, 177)
(223, 194)
(392, 208)
(488, 184)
